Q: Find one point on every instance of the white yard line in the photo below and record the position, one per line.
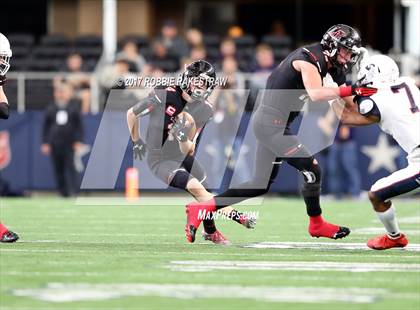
(413, 247)
(410, 220)
(381, 230)
(205, 266)
(59, 292)
(51, 273)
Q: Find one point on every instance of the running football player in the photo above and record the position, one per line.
(170, 149)
(395, 108)
(303, 70)
(6, 235)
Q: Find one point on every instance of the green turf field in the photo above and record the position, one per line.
(136, 257)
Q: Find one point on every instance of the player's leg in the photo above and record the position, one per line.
(197, 170)
(210, 233)
(182, 179)
(264, 174)
(311, 191)
(6, 235)
(401, 182)
(172, 173)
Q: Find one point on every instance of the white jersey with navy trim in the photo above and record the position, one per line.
(399, 108)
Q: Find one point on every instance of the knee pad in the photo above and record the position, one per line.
(180, 179)
(312, 172)
(312, 179)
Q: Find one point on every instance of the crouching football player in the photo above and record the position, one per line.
(5, 53)
(395, 108)
(171, 140)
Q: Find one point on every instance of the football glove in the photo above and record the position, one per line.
(139, 149)
(3, 80)
(180, 129)
(357, 90)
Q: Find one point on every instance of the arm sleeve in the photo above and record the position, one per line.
(368, 107)
(146, 105)
(309, 56)
(4, 110)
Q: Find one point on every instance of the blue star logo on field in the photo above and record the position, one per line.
(382, 155)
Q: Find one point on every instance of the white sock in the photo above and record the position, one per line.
(389, 219)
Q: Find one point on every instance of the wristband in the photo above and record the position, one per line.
(345, 91)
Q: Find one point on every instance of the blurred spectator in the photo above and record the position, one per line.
(114, 76)
(162, 59)
(261, 67)
(131, 53)
(74, 63)
(78, 79)
(198, 52)
(122, 73)
(343, 171)
(229, 101)
(279, 30)
(174, 44)
(264, 59)
(159, 50)
(227, 49)
(62, 136)
(194, 37)
(235, 79)
(235, 32)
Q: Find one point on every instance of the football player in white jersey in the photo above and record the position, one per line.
(395, 108)
(6, 235)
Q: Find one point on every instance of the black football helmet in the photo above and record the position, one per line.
(342, 36)
(198, 73)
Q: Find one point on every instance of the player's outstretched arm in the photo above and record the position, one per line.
(133, 125)
(350, 116)
(313, 84)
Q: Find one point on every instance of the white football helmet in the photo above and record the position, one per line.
(5, 54)
(377, 71)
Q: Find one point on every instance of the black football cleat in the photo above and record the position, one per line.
(9, 237)
(342, 233)
(248, 221)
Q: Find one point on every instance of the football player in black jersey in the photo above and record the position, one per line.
(170, 150)
(303, 69)
(6, 235)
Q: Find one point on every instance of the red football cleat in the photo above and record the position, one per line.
(196, 213)
(9, 237)
(320, 228)
(216, 238)
(385, 242)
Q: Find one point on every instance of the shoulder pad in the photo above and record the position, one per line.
(312, 57)
(366, 105)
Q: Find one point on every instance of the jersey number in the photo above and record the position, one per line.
(396, 89)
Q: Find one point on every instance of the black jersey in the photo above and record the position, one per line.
(285, 77)
(164, 104)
